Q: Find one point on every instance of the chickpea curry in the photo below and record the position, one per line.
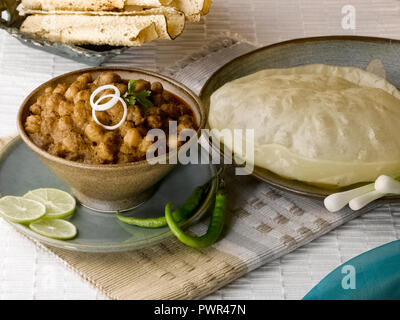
(61, 123)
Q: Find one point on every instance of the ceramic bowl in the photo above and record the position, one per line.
(108, 188)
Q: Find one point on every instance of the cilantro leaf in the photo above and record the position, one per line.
(141, 97)
(131, 86)
(131, 100)
(132, 97)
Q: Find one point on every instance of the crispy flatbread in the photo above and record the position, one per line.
(192, 9)
(175, 19)
(97, 30)
(84, 5)
(318, 124)
(148, 3)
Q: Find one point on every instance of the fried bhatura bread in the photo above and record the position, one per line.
(319, 124)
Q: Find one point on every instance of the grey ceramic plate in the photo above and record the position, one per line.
(91, 55)
(21, 171)
(353, 51)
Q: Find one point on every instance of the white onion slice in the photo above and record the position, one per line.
(108, 105)
(96, 106)
(365, 199)
(386, 184)
(337, 201)
(119, 123)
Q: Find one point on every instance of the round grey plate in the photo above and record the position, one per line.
(375, 54)
(21, 171)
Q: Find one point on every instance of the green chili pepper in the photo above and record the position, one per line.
(182, 213)
(214, 229)
(145, 223)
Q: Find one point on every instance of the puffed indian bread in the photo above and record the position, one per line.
(319, 124)
(191, 8)
(97, 30)
(175, 20)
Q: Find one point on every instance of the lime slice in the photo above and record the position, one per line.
(54, 228)
(21, 210)
(59, 204)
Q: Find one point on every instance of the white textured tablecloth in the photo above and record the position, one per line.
(28, 273)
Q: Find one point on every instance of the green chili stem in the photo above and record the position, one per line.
(182, 213)
(215, 227)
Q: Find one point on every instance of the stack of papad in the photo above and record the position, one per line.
(110, 22)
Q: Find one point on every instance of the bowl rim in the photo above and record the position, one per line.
(370, 39)
(21, 130)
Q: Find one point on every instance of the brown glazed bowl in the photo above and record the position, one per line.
(111, 187)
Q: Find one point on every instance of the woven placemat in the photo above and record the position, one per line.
(264, 224)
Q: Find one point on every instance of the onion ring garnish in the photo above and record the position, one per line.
(107, 105)
(96, 106)
(119, 123)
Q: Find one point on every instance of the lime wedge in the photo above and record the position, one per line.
(59, 204)
(21, 210)
(54, 228)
